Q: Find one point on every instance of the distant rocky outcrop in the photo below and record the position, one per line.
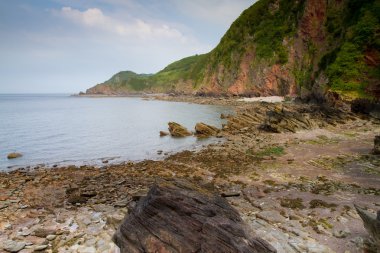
(179, 217)
(203, 130)
(14, 155)
(177, 130)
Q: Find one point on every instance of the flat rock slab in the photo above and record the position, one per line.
(13, 246)
(271, 216)
(179, 217)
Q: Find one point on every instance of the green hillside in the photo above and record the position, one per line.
(279, 47)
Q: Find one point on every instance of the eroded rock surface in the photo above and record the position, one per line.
(371, 223)
(176, 130)
(203, 130)
(282, 118)
(376, 149)
(178, 217)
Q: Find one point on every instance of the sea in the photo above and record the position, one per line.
(59, 129)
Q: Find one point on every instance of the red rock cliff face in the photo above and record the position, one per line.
(306, 34)
(265, 77)
(311, 26)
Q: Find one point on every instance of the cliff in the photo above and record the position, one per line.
(279, 47)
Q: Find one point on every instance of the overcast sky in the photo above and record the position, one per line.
(71, 45)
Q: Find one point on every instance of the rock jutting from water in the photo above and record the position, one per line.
(14, 155)
(177, 130)
(203, 130)
(176, 216)
(163, 133)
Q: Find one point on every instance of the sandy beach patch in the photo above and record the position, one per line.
(272, 99)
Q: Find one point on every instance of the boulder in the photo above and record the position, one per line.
(14, 155)
(376, 149)
(163, 133)
(371, 223)
(177, 216)
(364, 106)
(13, 246)
(176, 130)
(204, 130)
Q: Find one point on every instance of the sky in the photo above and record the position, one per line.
(67, 46)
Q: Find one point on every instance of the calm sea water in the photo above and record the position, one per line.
(60, 129)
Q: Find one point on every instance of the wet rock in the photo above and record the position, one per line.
(364, 106)
(14, 155)
(88, 194)
(203, 130)
(163, 133)
(76, 199)
(230, 194)
(376, 149)
(13, 246)
(179, 217)
(176, 130)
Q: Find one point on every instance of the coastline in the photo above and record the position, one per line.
(277, 175)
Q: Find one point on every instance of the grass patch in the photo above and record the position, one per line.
(322, 139)
(296, 203)
(254, 176)
(317, 224)
(318, 203)
(351, 134)
(373, 171)
(333, 163)
(270, 182)
(271, 151)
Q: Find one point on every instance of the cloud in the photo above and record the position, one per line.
(96, 19)
(74, 47)
(222, 12)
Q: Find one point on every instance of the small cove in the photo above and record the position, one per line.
(63, 130)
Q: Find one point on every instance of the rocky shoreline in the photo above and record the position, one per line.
(295, 172)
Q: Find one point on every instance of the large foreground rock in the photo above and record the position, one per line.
(376, 148)
(178, 217)
(13, 246)
(176, 130)
(371, 223)
(203, 130)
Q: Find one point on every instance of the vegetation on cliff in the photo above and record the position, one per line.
(351, 66)
(284, 47)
